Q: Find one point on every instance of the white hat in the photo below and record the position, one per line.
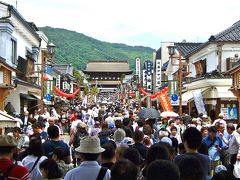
(90, 144)
(166, 140)
(128, 141)
(220, 168)
(119, 135)
(220, 115)
(204, 116)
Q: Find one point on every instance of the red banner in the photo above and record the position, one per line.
(164, 100)
(59, 92)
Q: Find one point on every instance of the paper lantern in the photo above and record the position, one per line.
(45, 78)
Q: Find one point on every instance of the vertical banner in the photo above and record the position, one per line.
(164, 100)
(198, 99)
(138, 69)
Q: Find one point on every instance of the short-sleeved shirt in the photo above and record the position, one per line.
(50, 145)
(18, 172)
(87, 170)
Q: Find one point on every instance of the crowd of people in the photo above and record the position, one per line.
(103, 142)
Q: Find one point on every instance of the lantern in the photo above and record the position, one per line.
(45, 78)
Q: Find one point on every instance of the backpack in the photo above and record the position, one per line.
(4, 175)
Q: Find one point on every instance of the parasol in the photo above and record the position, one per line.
(169, 114)
(149, 113)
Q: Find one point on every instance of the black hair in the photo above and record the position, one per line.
(89, 156)
(192, 137)
(190, 168)
(37, 125)
(124, 169)
(138, 136)
(60, 153)
(126, 121)
(140, 123)
(6, 149)
(223, 175)
(157, 151)
(132, 155)
(109, 152)
(181, 148)
(170, 122)
(35, 147)
(238, 126)
(51, 168)
(162, 169)
(53, 132)
(203, 129)
(17, 129)
(212, 129)
(118, 123)
(231, 126)
(203, 148)
(173, 128)
(174, 144)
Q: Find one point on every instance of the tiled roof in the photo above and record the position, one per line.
(230, 34)
(64, 68)
(108, 66)
(159, 53)
(187, 48)
(164, 66)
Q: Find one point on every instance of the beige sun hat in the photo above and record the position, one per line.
(7, 141)
(90, 144)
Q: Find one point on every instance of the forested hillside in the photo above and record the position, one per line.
(78, 49)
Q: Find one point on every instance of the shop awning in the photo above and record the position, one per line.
(35, 95)
(188, 96)
(223, 92)
(28, 97)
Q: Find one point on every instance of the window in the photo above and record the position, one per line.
(14, 51)
(200, 67)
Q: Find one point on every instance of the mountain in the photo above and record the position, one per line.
(78, 49)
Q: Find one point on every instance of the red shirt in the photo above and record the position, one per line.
(18, 172)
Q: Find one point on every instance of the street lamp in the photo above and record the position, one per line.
(49, 54)
(51, 49)
(171, 52)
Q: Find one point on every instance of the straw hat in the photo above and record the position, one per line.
(82, 125)
(7, 141)
(90, 144)
(119, 135)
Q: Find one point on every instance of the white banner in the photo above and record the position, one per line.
(198, 99)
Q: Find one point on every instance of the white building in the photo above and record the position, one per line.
(207, 64)
(21, 46)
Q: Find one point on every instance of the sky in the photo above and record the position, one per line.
(134, 22)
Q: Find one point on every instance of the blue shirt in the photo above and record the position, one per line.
(217, 141)
(213, 145)
(49, 147)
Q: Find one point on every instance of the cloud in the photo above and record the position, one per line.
(135, 21)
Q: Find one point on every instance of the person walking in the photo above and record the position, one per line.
(8, 169)
(89, 168)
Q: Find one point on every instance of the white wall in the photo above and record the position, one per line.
(164, 51)
(210, 54)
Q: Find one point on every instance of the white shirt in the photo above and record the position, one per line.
(25, 121)
(233, 142)
(29, 161)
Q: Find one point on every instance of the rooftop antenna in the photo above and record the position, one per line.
(16, 4)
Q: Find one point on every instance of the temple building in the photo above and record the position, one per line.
(106, 75)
